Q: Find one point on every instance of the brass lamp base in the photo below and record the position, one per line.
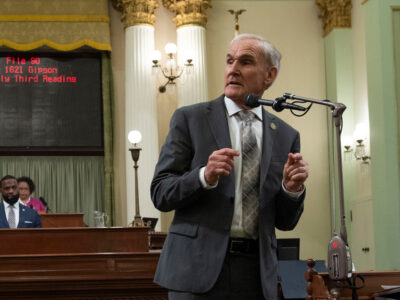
(137, 222)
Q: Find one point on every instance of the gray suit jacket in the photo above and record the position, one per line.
(195, 248)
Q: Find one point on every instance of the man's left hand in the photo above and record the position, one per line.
(295, 173)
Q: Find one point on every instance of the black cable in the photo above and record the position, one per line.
(352, 284)
(300, 114)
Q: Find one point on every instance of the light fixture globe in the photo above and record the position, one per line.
(347, 141)
(156, 55)
(170, 48)
(134, 137)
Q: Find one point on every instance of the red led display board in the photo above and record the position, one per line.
(50, 101)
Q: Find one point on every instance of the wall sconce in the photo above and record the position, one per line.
(360, 135)
(134, 138)
(171, 71)
(347, 141)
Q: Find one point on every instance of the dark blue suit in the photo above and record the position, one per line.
(195, 248)
(28, 217)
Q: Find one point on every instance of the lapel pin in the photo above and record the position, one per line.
(23, 209)
(272, 125)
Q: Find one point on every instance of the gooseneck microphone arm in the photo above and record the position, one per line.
(253, 100)
(339, 259)
(337, 112)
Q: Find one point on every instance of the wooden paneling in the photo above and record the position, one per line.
(78, 263)
(52, 220)
(73, 240)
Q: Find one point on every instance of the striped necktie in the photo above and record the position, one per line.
(250, 174)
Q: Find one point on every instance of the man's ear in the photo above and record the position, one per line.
(270, 76)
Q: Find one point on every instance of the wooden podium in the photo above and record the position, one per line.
(78, 263)
(320, 286)
(52, 220)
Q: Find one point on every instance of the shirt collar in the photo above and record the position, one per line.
(7, 205)
(22, 202)
(233, 108)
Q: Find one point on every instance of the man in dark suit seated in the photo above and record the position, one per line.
(12, 213)
(232, 174)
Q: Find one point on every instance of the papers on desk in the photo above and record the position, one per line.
(389, 287)
(391, 292)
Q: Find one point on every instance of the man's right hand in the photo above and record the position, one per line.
(220, 162)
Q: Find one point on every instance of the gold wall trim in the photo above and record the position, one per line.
(334, 14)
(57, 46)
(188, 12)
(54, 18)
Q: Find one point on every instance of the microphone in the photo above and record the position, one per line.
(278, 105)
(44, 203)
(31, 206)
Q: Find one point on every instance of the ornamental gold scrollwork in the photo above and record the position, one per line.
(334, 14)
(136, 12)
(188, 12)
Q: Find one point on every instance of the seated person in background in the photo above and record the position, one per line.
(26, 187)
(12, 213)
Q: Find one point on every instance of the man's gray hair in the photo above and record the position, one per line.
(272, 55)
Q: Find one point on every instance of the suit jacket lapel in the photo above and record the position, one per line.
(269, 133)
(22, 215)
(216, 115)
(217, 120)
(3, 218)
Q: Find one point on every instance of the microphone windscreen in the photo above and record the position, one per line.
(251, 100)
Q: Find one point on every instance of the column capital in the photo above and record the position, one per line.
(188, 12)
(136, 12)
(334, 14)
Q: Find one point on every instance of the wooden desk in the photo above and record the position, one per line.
(157, 240)
(78, 263)
(320, 286)
(51, 220)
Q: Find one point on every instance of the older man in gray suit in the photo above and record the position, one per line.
(232, 174)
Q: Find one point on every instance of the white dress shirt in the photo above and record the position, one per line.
(7, 208)
(235, 135)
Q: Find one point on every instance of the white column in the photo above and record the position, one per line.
(140, 114)
(191, 42)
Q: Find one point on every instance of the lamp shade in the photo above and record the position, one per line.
(134, 136)
(170, 48)
(156, 55)
(347, 141)
(361, 132)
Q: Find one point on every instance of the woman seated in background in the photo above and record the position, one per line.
(26, 187)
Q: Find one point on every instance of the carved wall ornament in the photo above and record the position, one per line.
(136, 12)
(236, 14)
(188, 12)
(334, 14)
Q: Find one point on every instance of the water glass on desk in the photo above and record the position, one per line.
(100, 219)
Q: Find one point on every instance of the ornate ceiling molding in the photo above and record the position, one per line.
(334, 14)
(188, 12)
(136, 12)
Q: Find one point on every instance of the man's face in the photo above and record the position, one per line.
(246, 70)
(9, 188)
